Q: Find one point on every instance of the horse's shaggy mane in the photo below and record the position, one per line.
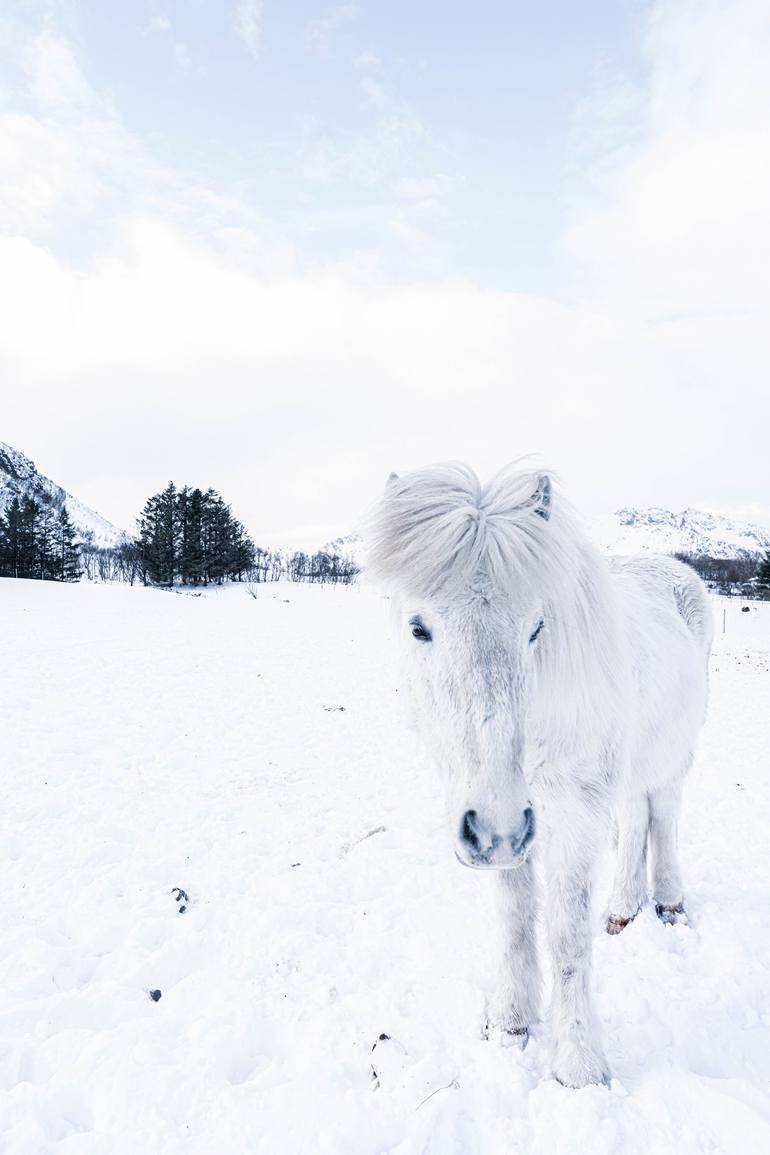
(438, 533)
(439, 527)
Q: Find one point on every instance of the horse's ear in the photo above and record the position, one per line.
(393, 477)
(541, 498)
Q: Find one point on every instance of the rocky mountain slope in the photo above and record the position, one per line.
(692, 531)
(20, 478)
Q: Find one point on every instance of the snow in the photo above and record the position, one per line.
(693, 531)
(154, 740)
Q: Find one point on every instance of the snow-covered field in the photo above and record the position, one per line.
(243, 750)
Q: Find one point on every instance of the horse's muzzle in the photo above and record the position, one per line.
(482, 848)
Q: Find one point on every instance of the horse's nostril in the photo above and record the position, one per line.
(469, 828)
(528, 830)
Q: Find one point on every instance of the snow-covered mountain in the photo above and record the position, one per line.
(692, 531)
(627, 531)
(20, 478)
(654, 530)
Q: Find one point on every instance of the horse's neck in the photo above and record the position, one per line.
(581, 685)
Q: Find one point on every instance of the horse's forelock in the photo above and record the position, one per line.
(438, 527)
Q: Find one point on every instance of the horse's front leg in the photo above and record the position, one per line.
(578, 1057)
(516, 1002)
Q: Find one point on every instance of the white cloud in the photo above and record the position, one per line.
(68, 150)
(438, 185)
(179, 49)
(368, 159)
(247, 22)
(318, 33)
(678, 223)
(55, 81)
(158, 24)
(367, 62)
(378, 155)
(38, 170)
(297, 393)
(218, 360)
(182, 54)
(69, 155)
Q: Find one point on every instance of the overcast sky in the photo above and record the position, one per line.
(283, 248)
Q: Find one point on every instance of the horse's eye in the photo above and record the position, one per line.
(419, 631)
(536, 631)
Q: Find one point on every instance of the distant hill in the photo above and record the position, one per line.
(692, 531)
(20, 478)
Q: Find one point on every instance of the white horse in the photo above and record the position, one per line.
(554, 686)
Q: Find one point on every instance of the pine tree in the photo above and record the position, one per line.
(10, 540)
(191, 548)
(243, 552)
(763, 576)
(27, 543)
(216, 536)
(159, 537)
(169, 534)
(148, 535)
(66, 549)
(45, 540)
(19, 555)
(183, 532)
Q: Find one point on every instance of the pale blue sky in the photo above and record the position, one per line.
(439, 136)
(285, 248)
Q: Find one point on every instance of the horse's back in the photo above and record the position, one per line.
(667, 589)
(668, 628)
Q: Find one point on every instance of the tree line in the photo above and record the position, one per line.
(38, 540)
(735, 576)
(186, 536)
(124, 563)
(190, 536)
(328, 565)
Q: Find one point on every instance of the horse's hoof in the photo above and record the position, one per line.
(616, 923)
(583, 1066)
(518, 1037)
(672, 913)
(603, 1079)
(507, 1036)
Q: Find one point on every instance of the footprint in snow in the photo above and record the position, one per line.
(182, 899)
(388, 1062)
(396, 1072)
